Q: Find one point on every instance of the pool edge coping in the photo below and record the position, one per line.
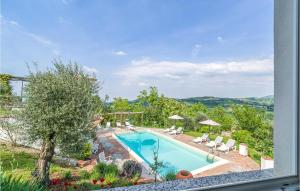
(220, 161)
(134, 155)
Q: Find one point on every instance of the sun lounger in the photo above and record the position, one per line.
(169, 129)
(102, 158)
(201, 139)
(177, 131)
(129, 126)
(107, 126)
(95, 148)
(215, 143)
(119, 124)
(230, 145)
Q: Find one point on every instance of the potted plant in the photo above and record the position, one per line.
(184, 174)
(266, 161)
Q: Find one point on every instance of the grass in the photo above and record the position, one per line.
(19, 161)
(193, 133)
(254, 155)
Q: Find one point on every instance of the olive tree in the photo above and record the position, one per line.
(11, 126)
(58, 111)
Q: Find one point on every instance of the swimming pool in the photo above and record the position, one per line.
(175, 156)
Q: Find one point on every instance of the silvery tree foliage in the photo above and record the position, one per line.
(60, 105)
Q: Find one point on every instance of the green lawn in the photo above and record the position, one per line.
(19, 162)
(193, 133)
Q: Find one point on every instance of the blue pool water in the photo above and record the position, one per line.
(175, 156)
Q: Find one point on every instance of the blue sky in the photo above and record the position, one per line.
(185, 48)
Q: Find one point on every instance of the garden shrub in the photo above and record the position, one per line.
(84, 174)
(95, 175)
(244, 136)
(110, 178)
(254, 155)
(136, 177)
(204, 129)
(86, 151)
(188, 123)
(171, 175)
(131, 168)
(122, 182)
(100, 169)
(67, 174)
(111, 169)
(9, 183)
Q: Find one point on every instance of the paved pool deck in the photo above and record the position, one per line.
(236, 162)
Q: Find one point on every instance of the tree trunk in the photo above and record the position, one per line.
(43, 164)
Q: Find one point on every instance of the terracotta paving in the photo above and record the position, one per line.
(115, 150)
(236, 162)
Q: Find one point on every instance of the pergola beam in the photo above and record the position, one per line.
(123, 113)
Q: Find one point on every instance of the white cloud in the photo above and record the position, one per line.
(56, 52)
(143, 84)
(40, 39)
(197, 46)
(9, 22)
(220, 39)
(36, 37)
(196, 50)
(172, 76)
(90, 69)
(12, 22)
(120, 53)
(215, 72)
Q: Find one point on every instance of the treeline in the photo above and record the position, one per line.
(244, 123)
(266, 103)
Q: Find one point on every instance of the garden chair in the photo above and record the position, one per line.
(177, 131)
(119, 124)
(201, 139)
(215, 143)
(129, 126)
(108, 126)
(95, 148)
(102, 158)
(169, 129)
(230, 145)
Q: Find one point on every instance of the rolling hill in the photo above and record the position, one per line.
(266, 102)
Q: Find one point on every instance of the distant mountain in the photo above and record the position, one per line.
(266, 102)
(268, 97)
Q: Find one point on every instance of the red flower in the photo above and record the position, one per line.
(102, 186)
(94, 181)
(55, 181)
(135, 183)
(102, 179)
